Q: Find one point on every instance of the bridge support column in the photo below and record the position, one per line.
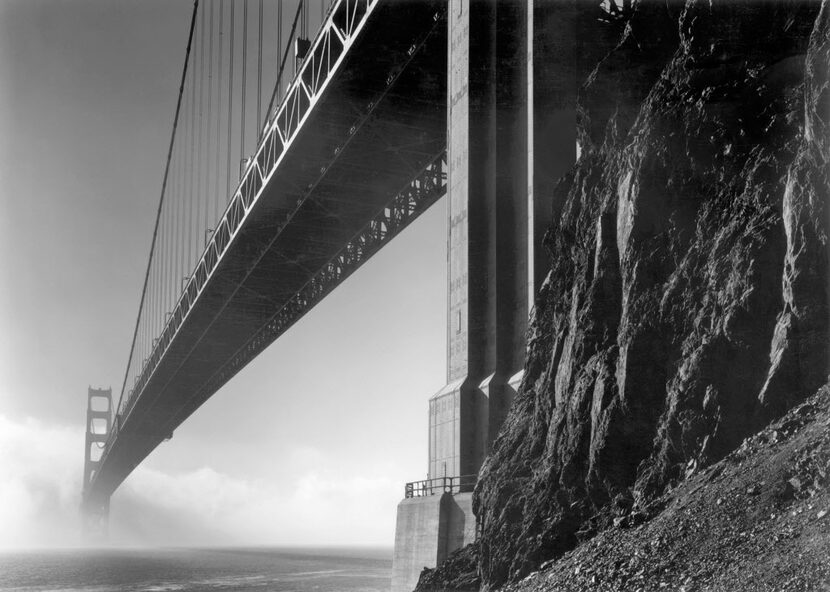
(489, 229)
(511, 134)
(512, 83)
(95, 510)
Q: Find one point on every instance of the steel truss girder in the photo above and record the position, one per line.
(423, 191)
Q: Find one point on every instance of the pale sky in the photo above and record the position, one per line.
(310, 444)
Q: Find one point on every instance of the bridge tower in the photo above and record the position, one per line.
(511, 135)
(95, 510)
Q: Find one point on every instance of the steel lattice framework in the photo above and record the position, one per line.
(410, 203)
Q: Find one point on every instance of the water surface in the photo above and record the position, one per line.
(236, 569)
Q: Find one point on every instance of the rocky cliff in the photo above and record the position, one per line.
(687, 301)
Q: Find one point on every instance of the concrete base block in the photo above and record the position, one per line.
(427, 530)
(461, 522)
(420, 539)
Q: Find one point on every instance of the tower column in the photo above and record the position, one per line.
(511, 135)
(488, 229)
(95, 509)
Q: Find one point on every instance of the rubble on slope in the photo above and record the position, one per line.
(757, 520)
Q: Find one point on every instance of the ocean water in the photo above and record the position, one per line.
(160, 570)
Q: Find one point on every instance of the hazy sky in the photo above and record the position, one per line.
(310, 444)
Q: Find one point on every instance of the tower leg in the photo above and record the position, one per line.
(95, 509)
(490, 228)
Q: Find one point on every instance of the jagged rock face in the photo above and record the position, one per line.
(687, 302)
(459, 573)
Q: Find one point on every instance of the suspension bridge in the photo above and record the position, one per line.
(267, 204)
(293, 158)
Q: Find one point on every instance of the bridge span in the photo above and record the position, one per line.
(354, 153)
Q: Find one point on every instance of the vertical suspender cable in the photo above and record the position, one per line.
(186, 168)
(163, 286)
(244, 73)
(230, 107)
(154, 300)
(171, 247)
(161, 201)
(160, 276)
(212, 193)
(278, 78)
(199, 142)
(174, 225)
(302, 34)
(219, 112)
(154, 318)
(179, 228)
(163, 282)
(259, 75)
(174, 228)
(279, 47)
(188, 179)
(284, 58)
(192, 167)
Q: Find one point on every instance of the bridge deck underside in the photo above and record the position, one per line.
(362, 143)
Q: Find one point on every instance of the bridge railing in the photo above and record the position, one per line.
(440, 485)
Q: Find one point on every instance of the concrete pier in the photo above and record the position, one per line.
(427, 530)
